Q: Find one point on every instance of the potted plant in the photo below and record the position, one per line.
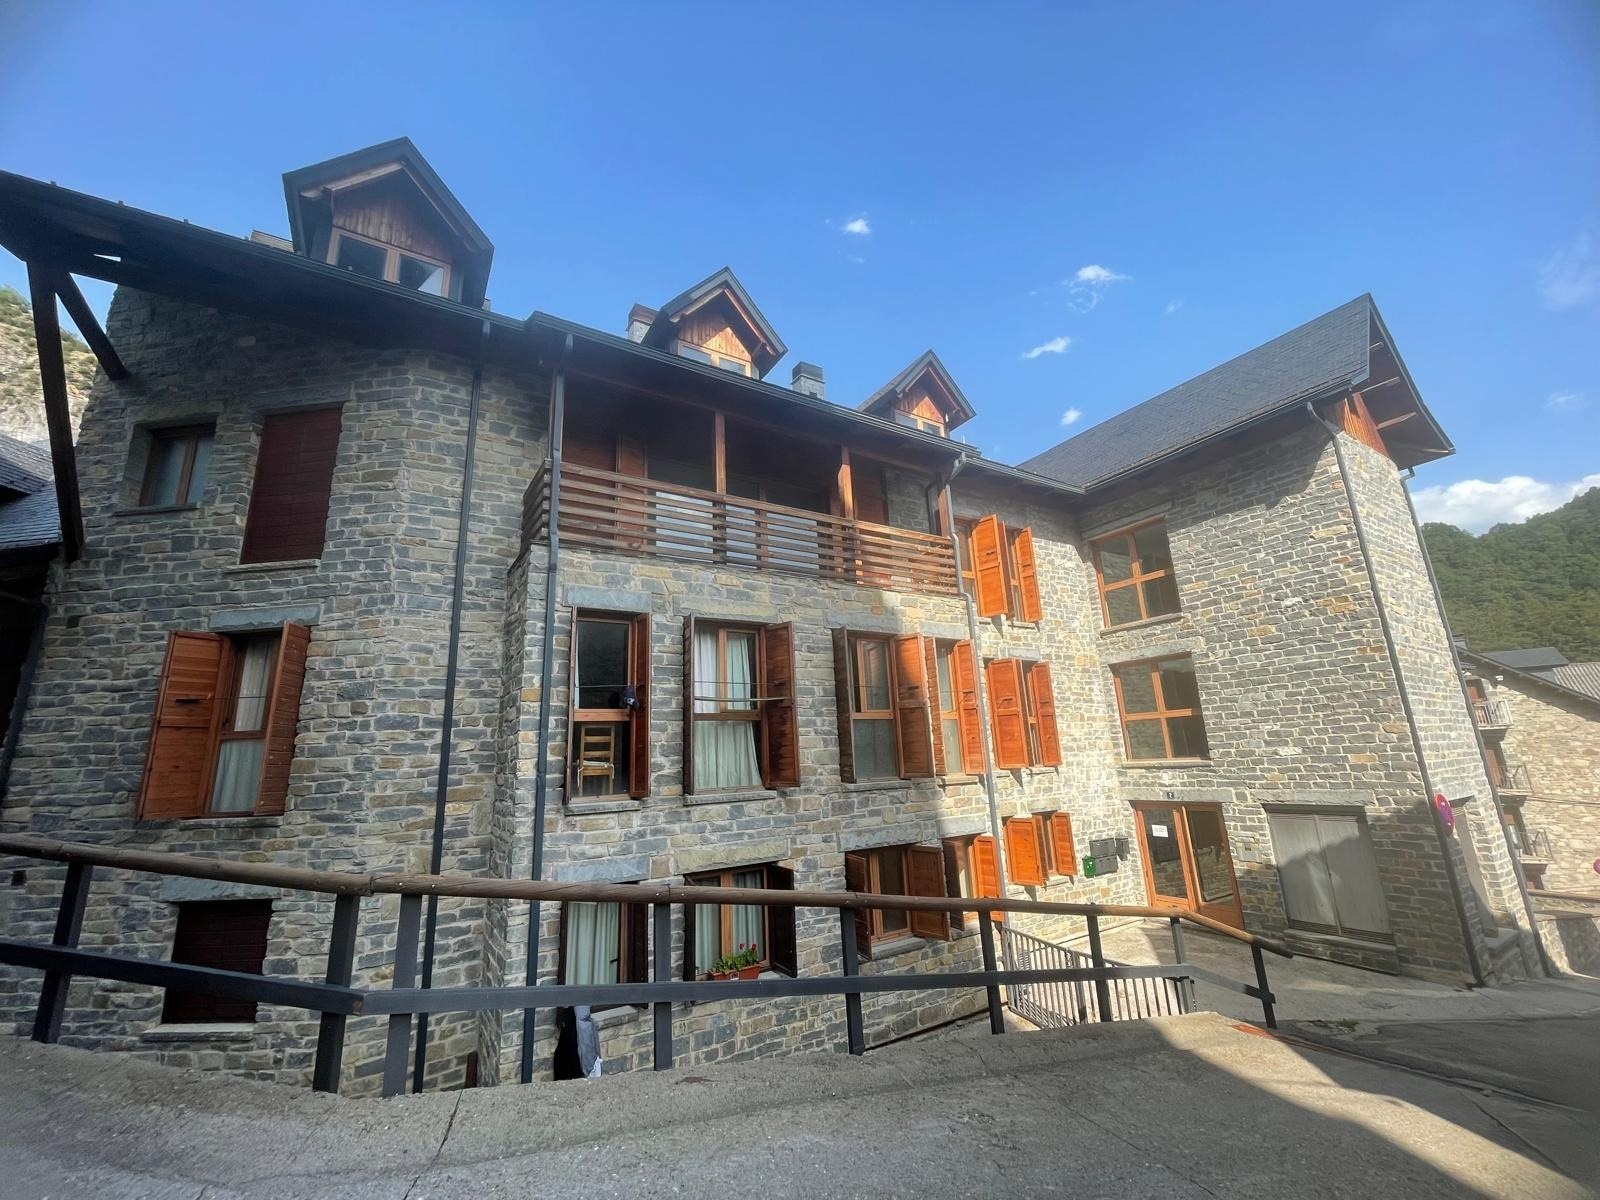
(744, 963)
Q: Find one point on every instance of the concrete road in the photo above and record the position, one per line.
(1170, 1109)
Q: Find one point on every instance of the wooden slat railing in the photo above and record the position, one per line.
(626, 513)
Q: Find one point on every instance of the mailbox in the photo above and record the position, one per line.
(1103, 851)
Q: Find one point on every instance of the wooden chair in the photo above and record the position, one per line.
(597, 755)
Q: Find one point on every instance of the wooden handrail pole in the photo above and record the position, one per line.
(1102, 988)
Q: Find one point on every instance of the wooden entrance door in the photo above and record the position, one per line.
(1186, 859)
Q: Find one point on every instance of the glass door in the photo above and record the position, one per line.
(1186, 859)
(1165, 876)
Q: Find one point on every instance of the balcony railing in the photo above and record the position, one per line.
(644, 516)
(1491, 714)
(1514, 781)
(1533, 844)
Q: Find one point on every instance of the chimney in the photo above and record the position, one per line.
(640, 319)
(807, 379)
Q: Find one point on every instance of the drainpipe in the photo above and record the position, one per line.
(447, 722)
(1466, 700)
(1405, 696)
(558, 409)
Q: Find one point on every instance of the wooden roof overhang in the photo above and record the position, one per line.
(1408, 429)
(720, 287)
(949, 396)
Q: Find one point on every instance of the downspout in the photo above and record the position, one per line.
(447, 722)
(1405, 695)
(1466, 700)
(558, 409)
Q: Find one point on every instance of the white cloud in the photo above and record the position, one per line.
(1097, 276)
(1056, 345)
(1571, 276)
(858, 225)
(1071, 417)
(1173, 306)
(1089, 284)
(1477, 504)
(1566, 402)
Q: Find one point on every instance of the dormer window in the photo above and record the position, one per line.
(351, 252)
(922, 397)
(919, 421)
(715, 358)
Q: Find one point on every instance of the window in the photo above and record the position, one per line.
(375, 260)
(175, 471)
(916, 421)
(223, 733)
(603, 943)
(741, 729)
(1134, 567)
(1022, 714)
(896, 871)
(881, 685)
(1160, 705)
(288, 515)
(998, 568)
(227, 935)
(1053, 833)
(609, 754)
(1329, 874)
(949, 743)
(714, 930)
(971, 868)
(715, 358)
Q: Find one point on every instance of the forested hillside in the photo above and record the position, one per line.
(1532, 584)
(21, 407)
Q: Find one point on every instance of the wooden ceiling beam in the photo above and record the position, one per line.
(43, 287)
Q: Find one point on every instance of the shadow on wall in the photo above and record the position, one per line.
(1572, 940)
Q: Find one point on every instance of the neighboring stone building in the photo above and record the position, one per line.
(1190, 654)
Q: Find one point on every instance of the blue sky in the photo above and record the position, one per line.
(1137, 192)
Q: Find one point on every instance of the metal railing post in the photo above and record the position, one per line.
(854, 1033)
(1102, 988)
(1261, 982)
(1185, 985)
(661, 935)
(997, 1018)
(69, 924)
(341, 959)
(398, 1045)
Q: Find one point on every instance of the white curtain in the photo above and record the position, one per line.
(239, 761)
(749, 925)
(707, 936)
(594, 942)
(724, 751)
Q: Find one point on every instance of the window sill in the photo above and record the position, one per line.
(960, 780)
(898, 948)
(611, 1018)
(1163, 619)
(741, 797)
(153, 510)
(595, 805)
(879, 785)
(200, 1032)
(288, 564)
(1148, 764)
(210, 821)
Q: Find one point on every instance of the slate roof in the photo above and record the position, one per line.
(1535, 658)
(1543, 665)
(1578, 677)
(32, 519)
(1331, 352)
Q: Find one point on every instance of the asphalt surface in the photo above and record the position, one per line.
(1170, 1109)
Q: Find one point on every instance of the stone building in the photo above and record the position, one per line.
(317, 616)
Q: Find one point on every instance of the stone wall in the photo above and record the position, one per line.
(1558, 739)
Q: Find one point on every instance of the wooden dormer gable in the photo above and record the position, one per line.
(717, 322)
(384, 213)
(923, 396)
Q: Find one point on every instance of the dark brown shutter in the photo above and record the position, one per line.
(229, 935)
(636, 962)
(857, 879)
(639, 719)
(631, 458)
(986, 870)
(841, 692)
(589, 448)
(1044, 714)
(177, 767)
(1027, 575)
(688, 941)
(1005, 713)
(688, 706)
(911, 723)
(930, 661)
(866, 478)
(1022, 851)
(964, 678)
(925, 877)
(988, 566)
(288, 515)
(1062, 851)
(780, 719)
(283, 714)
(781, 949)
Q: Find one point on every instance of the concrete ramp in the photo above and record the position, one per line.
(1172, 1108)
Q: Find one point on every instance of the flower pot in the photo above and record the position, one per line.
(750, 972)
(720, 975)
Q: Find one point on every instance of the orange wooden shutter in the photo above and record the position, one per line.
(1062, 852)
(930, 663)
(1027, 575)
(1044, 714)
(688, 706)
(988, 567)
(986, 870)
(925, 877)
(911, 722)
(639, 721)
(283, 714)
(177, 766)
(1022, 851)
(1005, 713)
(964, 678)
(780, 721)
(857, 880)
(841, 695)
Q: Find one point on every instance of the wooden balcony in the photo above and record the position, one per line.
(632, 515)
(1492, 716)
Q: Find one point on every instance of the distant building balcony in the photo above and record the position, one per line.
(1492, 716)
(1512, 781)
(1533, 845)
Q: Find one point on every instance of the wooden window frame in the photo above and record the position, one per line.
(633, 924)
(714, 358)
(391, 262)
(637, 654)
(870, 925)
(1161, 713)
(233, 672)
(191, 435)
(1136, 578)
(965, 567)
(773, 877)
(944, 655)
(857, 688)
(768, 707)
